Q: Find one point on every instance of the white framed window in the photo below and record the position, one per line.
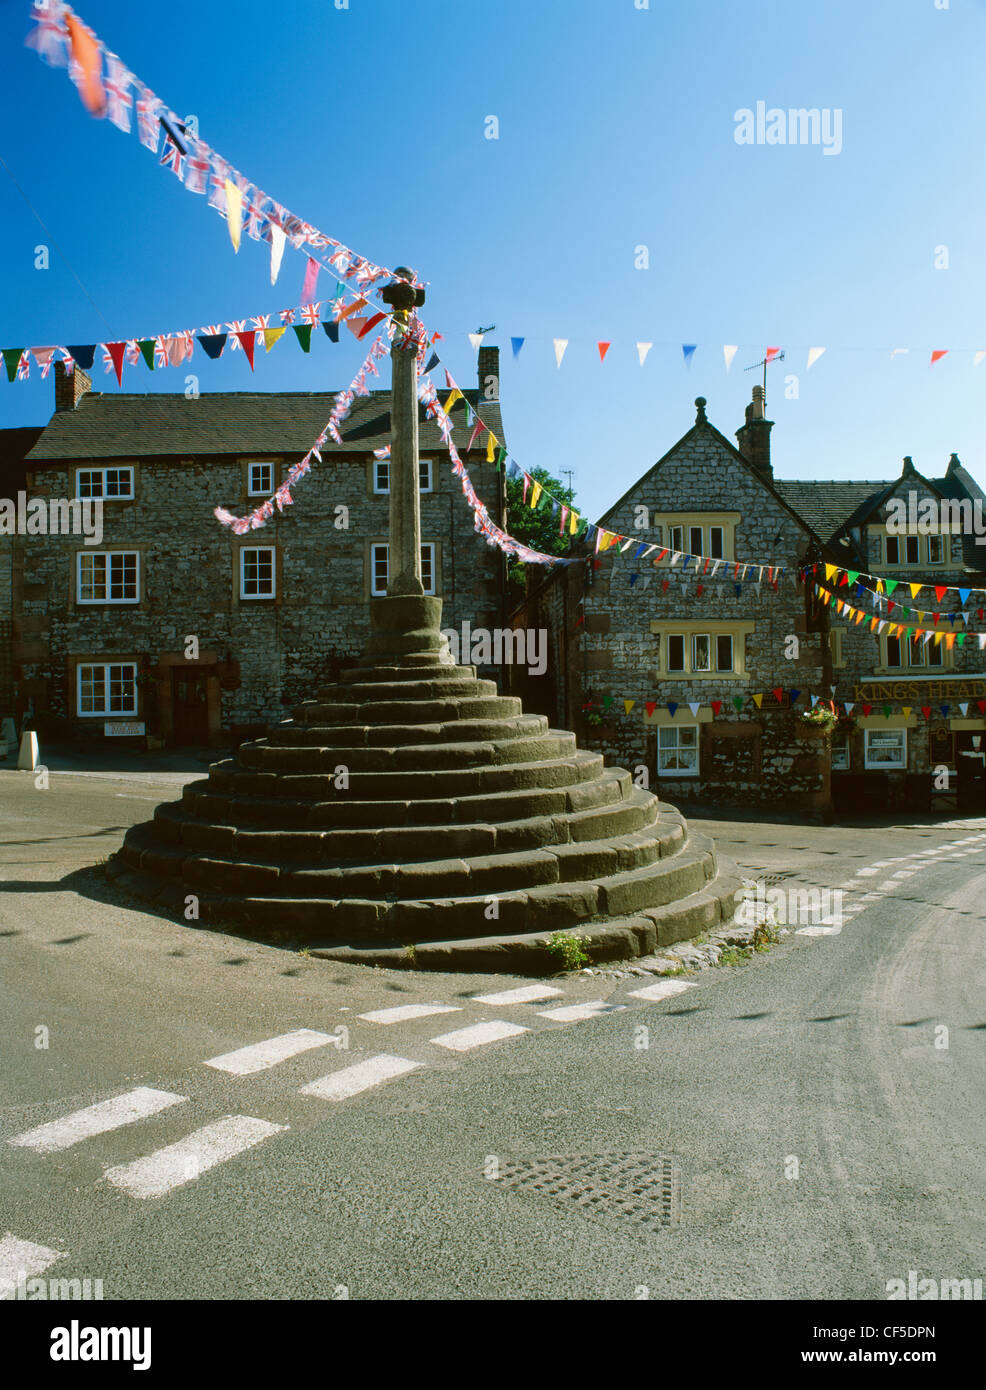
(717, 542)
(903, 550)
(381, 475)
(106, 687)
(108, 576)
(380, 568)
(957, 549)
(258, 572)
(260, 479)
(676, 652)
(676, 537)
(885, 748)
(936, 550)
(695, 540)
(677, 750)
(724, 652)
(840, 752)
(701, 652)
(914, 652)
(111, 484)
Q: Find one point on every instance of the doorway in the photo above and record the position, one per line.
(189, 706)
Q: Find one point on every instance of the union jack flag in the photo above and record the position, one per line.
(148, 126)
(287, 316)
(173, 156)
(217, 183)
(24, 366)
(198, 166)
(161, 351)
(212, 330)
(309, 313)
(116, 84)
(340, 259)
(237, 326)
(44, 356)
(256, 216)
(50, 35)
(260, 321)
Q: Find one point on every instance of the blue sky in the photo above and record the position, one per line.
(616, 130)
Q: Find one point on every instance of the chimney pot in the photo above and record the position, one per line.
(488, 368)
(753, 436)
(70, 387)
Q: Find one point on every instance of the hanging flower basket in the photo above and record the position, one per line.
(817, 722)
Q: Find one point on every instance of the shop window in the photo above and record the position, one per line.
(885, 749)
(677, 750)
(104, 688)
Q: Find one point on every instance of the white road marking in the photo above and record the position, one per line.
(865, 873)
(406, 1011)
(576, 1013)
(96, 1119)
(526, 994)
(19, 1257)
(871, 897)
(663, 989)
(904, 873)
(349, 1081)
(171, 1167)
(259, 1056)
(818, 931)
(465, 1038)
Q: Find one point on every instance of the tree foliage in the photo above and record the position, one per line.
(538, 527)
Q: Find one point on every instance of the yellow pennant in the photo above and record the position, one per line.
(491, 439)
(271, 335)
(949, 640)
(758, 700)
(628, 706)
(536, 490)
(454, 395)
(830, 571)
(906, 711)
(915, 589)
(234, 212)
(938, 637)
(879, 586)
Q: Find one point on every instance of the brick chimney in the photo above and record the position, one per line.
(489, 373)
(754, 436)
(70, 387)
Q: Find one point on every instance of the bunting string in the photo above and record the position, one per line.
(881, 585)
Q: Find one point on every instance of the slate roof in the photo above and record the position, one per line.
(828, 506)
(117, 425)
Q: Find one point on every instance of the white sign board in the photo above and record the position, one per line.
(122, 730)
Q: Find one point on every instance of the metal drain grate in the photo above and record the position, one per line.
(636, 1187)
(772, 880)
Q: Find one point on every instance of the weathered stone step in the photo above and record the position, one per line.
(407, 692)
(579, 766)
(266, 757)
(393, 674)
(400, 712)
(343, 737)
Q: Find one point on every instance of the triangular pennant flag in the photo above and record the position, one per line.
(310, 281)
(672, 708)
(867, 710)
(716, 706)
(331, 331)
(849, 706)
(778, 693)
(475, 339)
(914, 588)
(937, 356)
(887, 710)
(146, 346)
(607, 701)
(628, 706)
(926, 711)
(277, 239)
(116, 351)
(516, 344)
(813, 355)
(303, 332)
(737, 703)
(650, 706)
(82, 353)
(688, 352)
(642, 350)
(771, 353)
(758, 700)
(694, 707)
(234, 212)
(794, 696)
(248, 342)
(89, 63)
(212, 344)
(964, 707)
(560, 345)
(271, 336)
(603, 349)
(940, 591)
(729, 352)
(11, 360)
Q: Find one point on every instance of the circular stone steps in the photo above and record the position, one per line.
(411, 814)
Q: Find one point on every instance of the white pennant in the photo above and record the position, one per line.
(964, 708)
(849, 706)
(979, 357)
(694, 707)
(813, 355)
(475, 339)
(982, 639)
(729, 352)
(642, 350)
(560, 345)
(277, 239)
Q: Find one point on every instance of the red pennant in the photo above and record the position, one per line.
(778, 693)
(603, 349)
(699, 588)
(935, 617)
(982, 706)
(926, 711)
(370, 324)
(116, 351)
(248, 341)
(937, 356)
(650, 706)
(867, 709)
(940, 591)
(772, 353)
(664, 586)
(844, 579)
(716, 706)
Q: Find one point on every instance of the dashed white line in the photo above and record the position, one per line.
(402, 1012)
(259, 1056)
(463, 1039)
(23, 1257)
(663, 989)
(349, 1081)
(576, 1013)
(96, 1119)
(526, 994)
(171, 1167)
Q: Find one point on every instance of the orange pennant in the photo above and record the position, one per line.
(85, 51)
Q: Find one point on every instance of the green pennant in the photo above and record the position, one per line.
(961, 639)
(303, 332)
(146, 346)
(907, 614)
(501, 458)
(853, 575)
(607, 701)
(11, 359)
(737, 703)
(907, 634)
(887, 710)
(891, 584)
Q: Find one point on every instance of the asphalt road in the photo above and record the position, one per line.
(796, 1127)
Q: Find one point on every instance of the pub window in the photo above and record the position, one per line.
(677, 750)
(936, 550)
(260, 479)
(695, 540)
(716, 542)
(885, 748)
(911, 550)
(915, 652)
(676, 653)
(380, 568)
(724, 653)
(257, 574)
(111, 484)
(936, 654)
(893, 652)
(893, 550)
(111, 576)
(701, 652)
(106, 688)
